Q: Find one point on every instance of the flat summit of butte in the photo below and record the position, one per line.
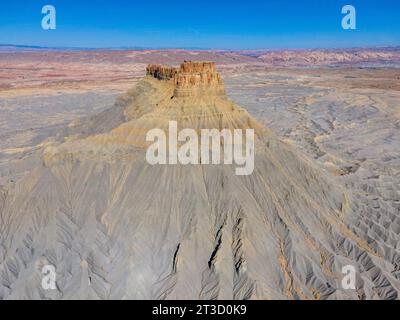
(115, 226)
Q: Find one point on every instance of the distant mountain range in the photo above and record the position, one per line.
(14, 47)
(18, 47)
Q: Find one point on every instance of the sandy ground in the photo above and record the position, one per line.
(345, 119)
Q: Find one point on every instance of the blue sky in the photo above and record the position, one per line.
(245, 24)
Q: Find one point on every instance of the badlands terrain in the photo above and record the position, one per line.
(76, 193)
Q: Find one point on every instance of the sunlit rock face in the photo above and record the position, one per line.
(197, 78)
(191, 78)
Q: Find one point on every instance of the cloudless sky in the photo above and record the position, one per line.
(246, 24)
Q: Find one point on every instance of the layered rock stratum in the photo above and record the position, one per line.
(116, 227)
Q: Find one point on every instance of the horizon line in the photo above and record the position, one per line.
(140, 48)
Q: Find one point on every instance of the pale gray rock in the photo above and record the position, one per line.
(116, 227)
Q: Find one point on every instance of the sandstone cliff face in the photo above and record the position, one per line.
(193, 78)
(161, 72)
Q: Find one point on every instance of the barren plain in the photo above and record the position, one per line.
(340, 110)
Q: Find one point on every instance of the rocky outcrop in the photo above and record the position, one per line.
(161, 72)
(193, 78)
(196, 78)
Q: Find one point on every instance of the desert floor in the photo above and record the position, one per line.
(345, 118)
